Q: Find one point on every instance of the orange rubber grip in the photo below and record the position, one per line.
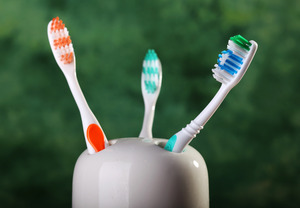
(95, 137)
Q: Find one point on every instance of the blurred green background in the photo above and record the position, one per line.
(251, 145)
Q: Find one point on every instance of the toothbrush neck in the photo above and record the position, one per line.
(213, 105)
(146, 131)
(86, 114)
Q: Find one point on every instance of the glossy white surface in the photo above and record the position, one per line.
(139, 173)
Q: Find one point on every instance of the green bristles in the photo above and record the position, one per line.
(151, 72)
(151, 55)
(150, 69)
(241, 41)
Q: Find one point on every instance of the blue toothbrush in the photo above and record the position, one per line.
(232, 65)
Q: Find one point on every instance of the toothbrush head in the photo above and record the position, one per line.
(60, 43)
(234, 62)
(151, 74)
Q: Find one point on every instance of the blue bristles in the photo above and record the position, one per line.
(232, 63)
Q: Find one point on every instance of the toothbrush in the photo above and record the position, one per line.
(232, 65)
(64, 55)
(151, 84)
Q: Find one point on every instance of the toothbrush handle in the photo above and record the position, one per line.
(87, 116)
(185, 135)
(146, 131)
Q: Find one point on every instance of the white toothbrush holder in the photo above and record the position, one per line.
(139, 173)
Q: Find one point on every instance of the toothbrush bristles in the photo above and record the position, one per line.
(57, 24)
(67, 58)
(231, 60)
(61, 41)
(151, 71)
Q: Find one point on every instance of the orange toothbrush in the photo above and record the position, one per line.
(64, 55)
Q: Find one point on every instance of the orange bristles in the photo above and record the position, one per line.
(57, 24)
(62, 41)
(67, 58)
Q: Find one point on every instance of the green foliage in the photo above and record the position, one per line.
(251, 145)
